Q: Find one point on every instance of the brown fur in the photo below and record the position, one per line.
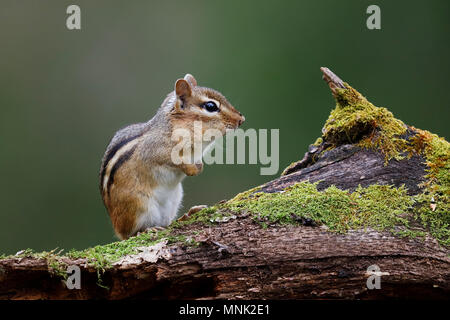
(127, 196)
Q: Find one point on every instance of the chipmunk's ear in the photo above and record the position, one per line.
(183, 89)
(190, 78)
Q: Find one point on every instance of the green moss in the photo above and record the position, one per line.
(356, 120)
(378, 207)
(437, 221)
(434, 203)
(53, 259)
(244, 195)
(288, 168)
(102, 257)
(436, 151)
(318, 142)
(207, 215)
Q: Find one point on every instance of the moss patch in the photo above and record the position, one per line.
(357, 120)
(103, 256)
(53, 259)
(378, 207)
(434, 202)
(436, 151)
(318, 142)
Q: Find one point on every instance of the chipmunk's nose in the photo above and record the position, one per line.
(241, 121)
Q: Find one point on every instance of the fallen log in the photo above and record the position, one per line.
(369, 200)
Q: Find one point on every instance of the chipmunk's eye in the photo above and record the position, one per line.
(210, 106)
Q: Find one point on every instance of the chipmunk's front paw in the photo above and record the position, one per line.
(193, 169)
(191, 211)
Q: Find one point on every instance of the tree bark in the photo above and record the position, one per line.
(238, 259)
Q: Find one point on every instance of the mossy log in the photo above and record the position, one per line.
(370, 191)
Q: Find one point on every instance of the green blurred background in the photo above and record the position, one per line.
(64, 93)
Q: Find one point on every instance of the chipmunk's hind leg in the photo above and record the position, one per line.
(124, 208)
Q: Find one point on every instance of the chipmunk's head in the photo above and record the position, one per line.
(194, 103)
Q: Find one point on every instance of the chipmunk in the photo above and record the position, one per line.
(139, 183)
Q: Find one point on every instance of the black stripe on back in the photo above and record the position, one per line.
(111, 154)
(122, 159)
